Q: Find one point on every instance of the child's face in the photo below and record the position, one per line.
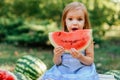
(75, 20)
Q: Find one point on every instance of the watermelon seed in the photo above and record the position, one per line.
(59, 33)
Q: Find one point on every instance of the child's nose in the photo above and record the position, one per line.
(75, 22)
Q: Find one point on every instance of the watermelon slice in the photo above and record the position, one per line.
(7, 75)
(79, 39)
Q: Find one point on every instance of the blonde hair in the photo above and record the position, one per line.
(73, 6)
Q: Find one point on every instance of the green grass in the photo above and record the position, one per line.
(9, 54)
(106, 56)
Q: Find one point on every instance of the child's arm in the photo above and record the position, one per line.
(58, 51)
(86, 59)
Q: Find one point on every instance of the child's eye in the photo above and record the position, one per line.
(70, 19)
(79, 19)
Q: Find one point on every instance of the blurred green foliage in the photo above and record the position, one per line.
(28, 22)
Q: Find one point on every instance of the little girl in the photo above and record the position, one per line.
(74, 65)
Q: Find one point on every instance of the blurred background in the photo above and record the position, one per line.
(25, 24)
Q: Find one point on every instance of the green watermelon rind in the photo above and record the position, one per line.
(15, 78)
(115, 73)
(55, 45)
(21, 76)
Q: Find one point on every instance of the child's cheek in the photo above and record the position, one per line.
(68, 23)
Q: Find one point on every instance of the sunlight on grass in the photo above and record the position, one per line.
(9, 54)
(7, 67)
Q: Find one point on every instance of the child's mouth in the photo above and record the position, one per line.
(74, 29)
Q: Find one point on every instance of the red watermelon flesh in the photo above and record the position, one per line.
(6, 75)
(79, 39)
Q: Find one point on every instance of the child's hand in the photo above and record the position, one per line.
(58, 51)
(75, 53)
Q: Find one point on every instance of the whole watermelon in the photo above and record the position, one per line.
(30, 66)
